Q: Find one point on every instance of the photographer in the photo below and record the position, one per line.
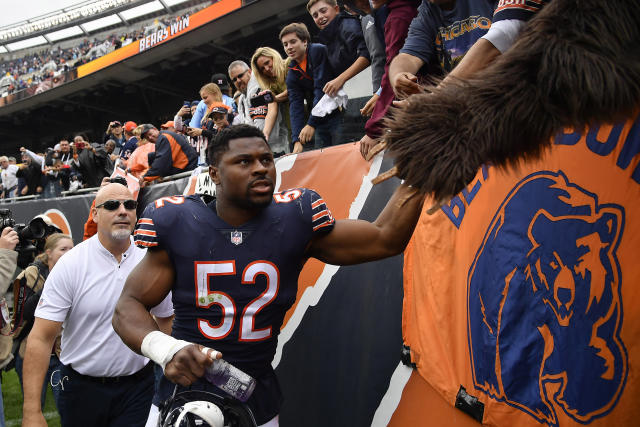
(52, 179)
(90, 161)
(114, 132)
(8, 257)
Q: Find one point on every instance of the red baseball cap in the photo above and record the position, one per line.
(167, 125)
(130, 126)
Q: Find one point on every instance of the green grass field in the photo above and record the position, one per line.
(12, 398)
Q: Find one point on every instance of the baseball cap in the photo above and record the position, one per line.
(168, 124)
(146, 128)
(194, 103)
(218, 107)
(219, 110)
(220, 80)
(117, 123)
(130, 126)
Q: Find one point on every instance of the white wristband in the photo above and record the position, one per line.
(161, 347)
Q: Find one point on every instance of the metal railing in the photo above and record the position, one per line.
(91, 189)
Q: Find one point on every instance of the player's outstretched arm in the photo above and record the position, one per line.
(356, 241)
(147, 285)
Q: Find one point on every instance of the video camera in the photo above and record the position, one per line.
(32, 236)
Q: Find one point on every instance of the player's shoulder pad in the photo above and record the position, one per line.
(310, 204)
(160, 216)
(170, 205)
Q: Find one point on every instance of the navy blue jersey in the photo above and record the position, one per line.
(234, 284)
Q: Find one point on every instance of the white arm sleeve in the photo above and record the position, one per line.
(165, 308)
(36, 158)
(503, 34)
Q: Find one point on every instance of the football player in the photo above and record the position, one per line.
(233, 265)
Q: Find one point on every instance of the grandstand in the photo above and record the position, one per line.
(145, 85)
(30, 52)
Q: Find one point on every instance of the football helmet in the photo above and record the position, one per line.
(197, 408)
(195, 414)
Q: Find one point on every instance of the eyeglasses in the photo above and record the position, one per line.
(239, 76)
(112, 205)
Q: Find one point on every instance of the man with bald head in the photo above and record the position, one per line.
(102, 382)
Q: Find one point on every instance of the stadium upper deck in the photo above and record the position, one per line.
(82, 19)
(145, 84)
(38, 52)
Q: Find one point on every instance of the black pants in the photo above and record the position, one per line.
(104, 402)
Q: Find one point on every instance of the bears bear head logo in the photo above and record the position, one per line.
(544, 302)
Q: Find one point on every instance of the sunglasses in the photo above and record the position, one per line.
(112, 205)
(239, 76)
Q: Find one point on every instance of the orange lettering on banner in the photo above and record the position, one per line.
(196, 20)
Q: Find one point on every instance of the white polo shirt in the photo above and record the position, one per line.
(81, 292)
(8, 176)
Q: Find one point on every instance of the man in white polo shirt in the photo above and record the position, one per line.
(103, 382)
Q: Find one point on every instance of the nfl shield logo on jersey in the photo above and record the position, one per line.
(236, 237)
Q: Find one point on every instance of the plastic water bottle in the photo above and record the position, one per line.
(230, 379)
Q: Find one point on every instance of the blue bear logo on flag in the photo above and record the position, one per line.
(544, 302)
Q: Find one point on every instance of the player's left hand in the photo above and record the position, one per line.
(187, 365)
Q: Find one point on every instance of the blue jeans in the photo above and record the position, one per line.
(329, 132)
(52, 188)
(51, 377)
